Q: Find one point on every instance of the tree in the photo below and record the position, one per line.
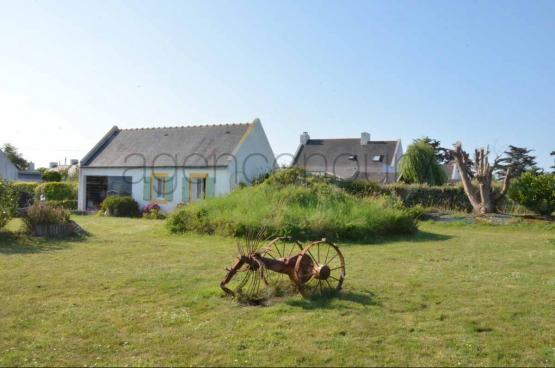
(51, 176)
(15, 157)
(420, 165)
(553, 167)
(519, 160)
(441, 154)
(484, 199)
(444, 155)
(535, 192)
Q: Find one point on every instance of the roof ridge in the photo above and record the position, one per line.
(188, 126)
(353, 139)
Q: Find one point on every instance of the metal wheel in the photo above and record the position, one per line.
(280, 249)
(320, 269)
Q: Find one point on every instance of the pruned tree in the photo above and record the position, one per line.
(483, 199)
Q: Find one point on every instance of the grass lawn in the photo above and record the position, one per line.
(132, 294)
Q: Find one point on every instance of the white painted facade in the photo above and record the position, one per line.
(252, 157)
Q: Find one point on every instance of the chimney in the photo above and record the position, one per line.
(304, 138)
(364, 138)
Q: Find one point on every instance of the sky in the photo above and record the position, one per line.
(479, 72)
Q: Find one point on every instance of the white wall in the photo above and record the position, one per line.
(8, 171)
(221, 184)
(253, 158)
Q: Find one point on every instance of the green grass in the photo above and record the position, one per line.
(313, 209)
(131, 294)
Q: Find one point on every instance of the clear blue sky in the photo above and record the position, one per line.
(482, 72)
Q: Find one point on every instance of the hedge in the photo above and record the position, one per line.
(120, 206)
(67, 204)
(450, 197)
(25, 193)
(57, 191)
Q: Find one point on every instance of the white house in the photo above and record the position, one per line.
(350, 158)
(173, 165)
(8, 171)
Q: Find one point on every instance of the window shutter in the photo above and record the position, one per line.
(147, 195)
(210, 187)
(185, 192)
(168, 196)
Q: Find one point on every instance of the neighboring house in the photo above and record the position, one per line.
(168, 166)
(350, 158)
(30, 174)
(72, 170)
(452, 171)
(8, 171)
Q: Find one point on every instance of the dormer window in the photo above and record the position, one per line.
(377, 158)
(353, 158)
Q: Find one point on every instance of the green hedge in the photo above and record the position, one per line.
(68, 204)
(120, 206)
(451, 197)
(57, 191)
(25, 193)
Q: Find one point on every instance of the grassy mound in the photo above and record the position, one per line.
(284, 206)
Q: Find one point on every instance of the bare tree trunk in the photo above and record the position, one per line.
(484, 201)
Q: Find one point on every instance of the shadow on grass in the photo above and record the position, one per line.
(419, 237)
(325, 301)
(22, 243)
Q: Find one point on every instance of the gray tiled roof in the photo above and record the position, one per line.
(174, 146)
(332, 156)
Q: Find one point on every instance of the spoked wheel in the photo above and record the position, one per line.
(320, 269)
(280, 249)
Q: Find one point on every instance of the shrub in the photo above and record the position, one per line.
(51, 176)
(450, 197)
(289, 204)
(44, 214)
(54, 191)
(68, 204)
(361, 188)
(535, 192)
(8, 203)
(24, 192)
(152, 211)
(120, 206)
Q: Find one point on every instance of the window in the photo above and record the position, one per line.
(160, 186)
(377, 158)
(198, 186)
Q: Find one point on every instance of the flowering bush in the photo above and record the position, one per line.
(152, 211)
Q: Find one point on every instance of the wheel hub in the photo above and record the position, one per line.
(323, 273)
